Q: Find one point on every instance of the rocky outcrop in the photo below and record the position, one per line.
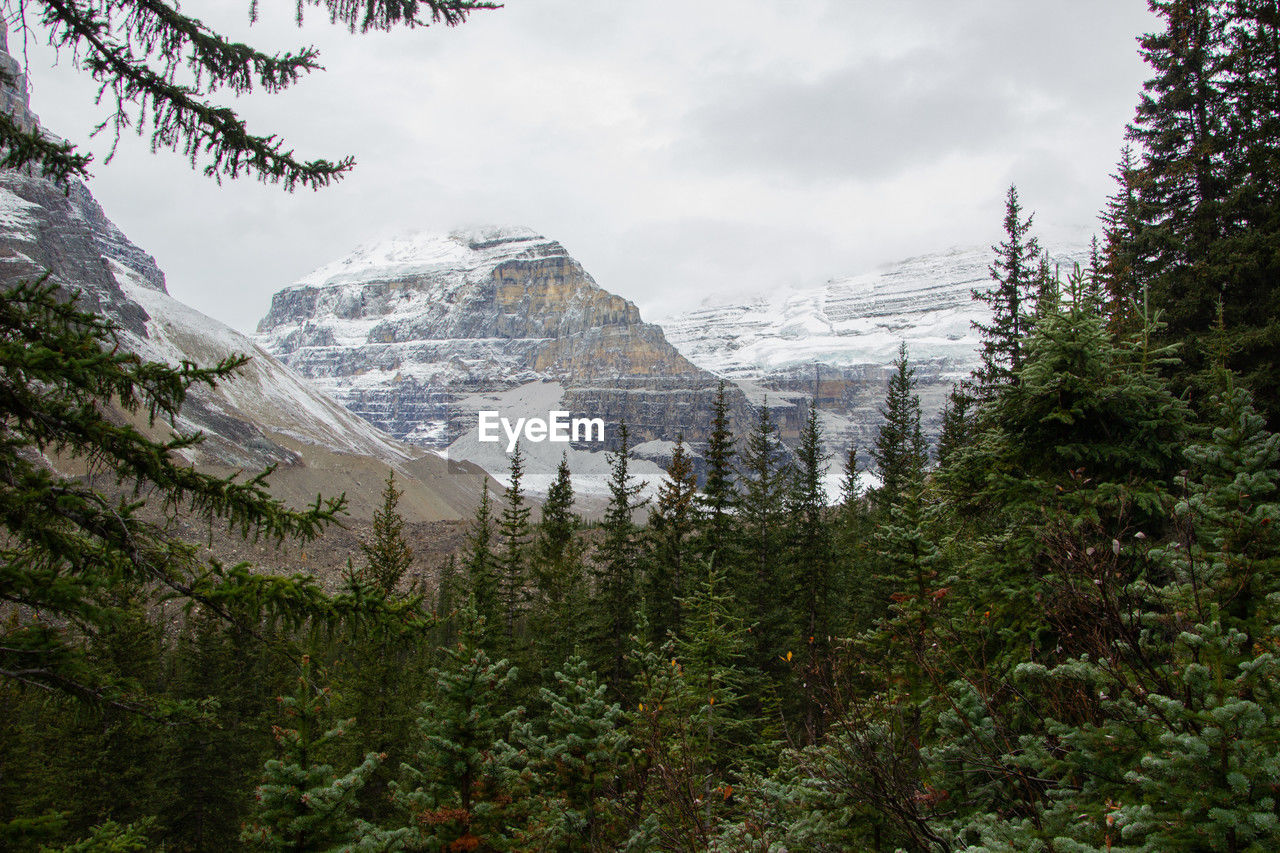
(408, 331)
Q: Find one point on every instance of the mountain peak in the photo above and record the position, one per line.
(480, 237)
(425, 253)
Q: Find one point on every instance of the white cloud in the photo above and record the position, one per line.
(675, 147)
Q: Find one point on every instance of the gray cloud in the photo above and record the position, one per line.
(871, 121)
(677, 146)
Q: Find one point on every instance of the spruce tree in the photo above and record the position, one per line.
(387, 556)
(722, 733)
(1011, 299)
(558, 572)
(719, 494)
(458, 793)
(302, 804)
(511, 567)
(614, 569)
(212, 763)
(1233, 498)
(852, 526)
(900, 452)
(481, 563)
(957, 422)
(850, 477)
(575, 762)
(379, 665)
(760, 573)
(1207, 191)
(668, 557)
(1124, 265)
(816, 587)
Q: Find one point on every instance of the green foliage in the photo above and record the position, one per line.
(512, 568)
(559, 574)
(719, 494)
(481, 563)
(1063, 637)
(615, 570)
(816, 587)
(387, 556)
(669, 551)
(900, 452)
(758, 571)
(457, 793)
(1088, 403)
(210, 765)
(575, 763)
(1205, 193)
(1011, 299)
(713, 656)
(302, 804)
(957, 422)
(109, 837)
(69, 548)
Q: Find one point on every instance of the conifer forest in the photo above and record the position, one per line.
(1056, 627)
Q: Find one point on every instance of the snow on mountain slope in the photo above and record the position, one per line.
(410, 333)
(838, 340)
(853, 321)
(272, 395)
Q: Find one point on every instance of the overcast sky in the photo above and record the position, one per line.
(678, 148)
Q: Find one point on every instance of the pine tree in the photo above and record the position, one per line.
(458, 792)
(558, 572)
(817, 594)
(713, 658)
(719, 493)
(379, 665)
(850, 477)
(575, 763)
(159, 66)
(1124, 265)
(669, 553)
(302, 804)
(852, 526)
(1012, 299)
(212, 763)
(1091, 403)
(481, 563)
(907, 577)
(513, 531)
(957, 422)
(67, 544)
(1208, 189)
(759, 575)
(900, 452)
(1233, 500)
(387, 556)
(615, 571)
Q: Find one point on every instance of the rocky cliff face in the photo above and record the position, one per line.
(838, 340)
(417, 333)
(264, 415)
(44, 227)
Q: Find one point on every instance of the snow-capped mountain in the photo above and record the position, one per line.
(839, 339)
(266, 414)
(418, 333)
